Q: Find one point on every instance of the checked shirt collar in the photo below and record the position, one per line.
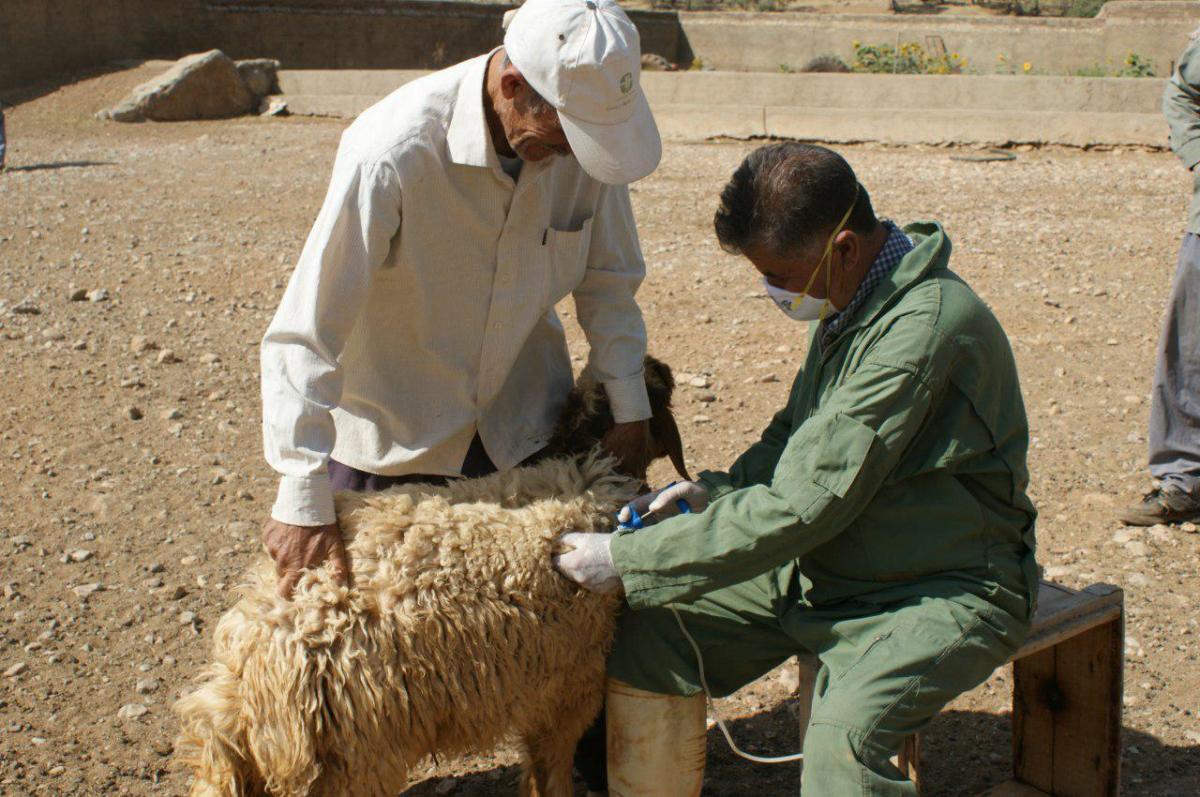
(898, 245)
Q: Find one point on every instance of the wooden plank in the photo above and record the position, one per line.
(1035, 697)
(1060, 632)
(909, 760)
(1013, 788)
(808, 666)
(1087, 728)
(1058, 604)
(1063, 612)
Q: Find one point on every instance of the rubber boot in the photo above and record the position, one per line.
(656, 743)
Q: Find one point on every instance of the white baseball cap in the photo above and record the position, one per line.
(584, 57)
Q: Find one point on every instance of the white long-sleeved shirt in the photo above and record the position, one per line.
(422, 307)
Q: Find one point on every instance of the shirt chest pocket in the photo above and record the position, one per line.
(566, 253)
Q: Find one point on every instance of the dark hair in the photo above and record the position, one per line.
(538, 105)
(784, 196)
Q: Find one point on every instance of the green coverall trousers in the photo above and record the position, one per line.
(886, 669)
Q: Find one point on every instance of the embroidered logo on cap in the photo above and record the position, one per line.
(626, 82)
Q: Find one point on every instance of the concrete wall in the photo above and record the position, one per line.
(42, 38)
(763, 42)
(377, 34)
(898, 109)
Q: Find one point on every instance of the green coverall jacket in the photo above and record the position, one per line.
(899, 458)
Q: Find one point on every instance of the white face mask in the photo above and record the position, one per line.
(797, 306)
(802, 306)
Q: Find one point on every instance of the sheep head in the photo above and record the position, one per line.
(587, 416)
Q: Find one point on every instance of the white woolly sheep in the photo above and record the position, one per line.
(454, 635)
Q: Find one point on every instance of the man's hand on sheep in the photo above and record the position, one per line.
(630, 444)
(659, 504)
(299, 548)
(587, 560)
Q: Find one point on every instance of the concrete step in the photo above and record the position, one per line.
(898, 109)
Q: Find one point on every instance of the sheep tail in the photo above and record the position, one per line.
(211, 742)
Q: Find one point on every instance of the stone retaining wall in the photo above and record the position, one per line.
(40, 40)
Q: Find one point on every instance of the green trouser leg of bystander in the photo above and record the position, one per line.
(886, 668)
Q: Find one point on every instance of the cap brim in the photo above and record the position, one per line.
(616, 154)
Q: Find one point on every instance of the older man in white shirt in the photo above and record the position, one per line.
(417, 338)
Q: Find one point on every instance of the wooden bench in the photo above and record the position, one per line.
(1067, 682)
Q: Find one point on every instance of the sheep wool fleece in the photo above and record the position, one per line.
(881, 523)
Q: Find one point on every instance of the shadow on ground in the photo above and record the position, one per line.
(963, 753)
(38, 167)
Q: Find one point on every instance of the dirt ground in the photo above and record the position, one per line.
(122, 539)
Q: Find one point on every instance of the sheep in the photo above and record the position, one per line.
(454, 634)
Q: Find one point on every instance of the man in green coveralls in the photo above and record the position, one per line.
(880, 522)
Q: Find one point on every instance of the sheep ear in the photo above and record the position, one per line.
(666, 431)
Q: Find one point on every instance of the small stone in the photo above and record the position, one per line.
(26, 307)
(1190, 528)
(179, 593)
(97, 295)
(146, 685)
(1140, 580)
(87, 590)
(1123, 536)
(131, 711)
(157, 567)
(80, 555)
(166, 356)
(140, 344)
(172, 414)
(76, 295)
(187, 618)
(210, 359)
(190, 560)
(16, 669)
(1136, 548)
(706, 397)
(700, 419)
(1058, 571)
(768, 378)
(134, 413)
(699, 381)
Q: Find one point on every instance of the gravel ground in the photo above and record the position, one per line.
(140, 265)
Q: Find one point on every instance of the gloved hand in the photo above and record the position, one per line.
(587, 561)
(661, 504)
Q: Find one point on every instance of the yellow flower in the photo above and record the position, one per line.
(1001, 57)
(1027, 66)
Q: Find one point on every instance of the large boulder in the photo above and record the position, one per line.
(201, 86)
(260, 75)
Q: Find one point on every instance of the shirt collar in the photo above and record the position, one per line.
(897, 245)
(468, 140)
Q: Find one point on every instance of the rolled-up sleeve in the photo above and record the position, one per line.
(1181, 106)
(607, 308)
(830, 468)
(301, 374)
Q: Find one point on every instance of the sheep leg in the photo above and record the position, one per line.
(547, 764)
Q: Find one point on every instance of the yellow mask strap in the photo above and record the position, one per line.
(828, 255)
